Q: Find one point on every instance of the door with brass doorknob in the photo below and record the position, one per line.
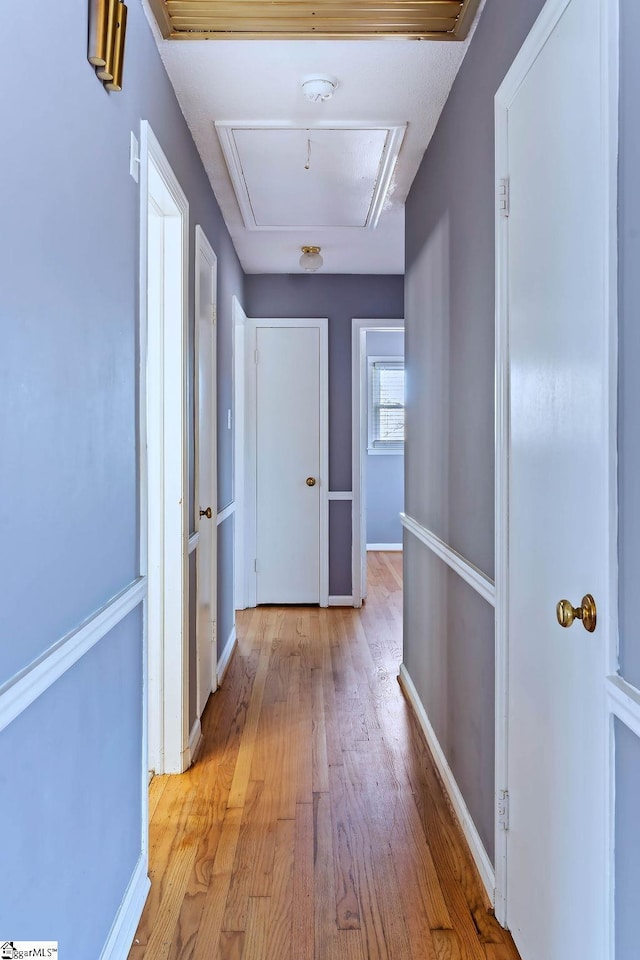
(556, 480)
(288, 391)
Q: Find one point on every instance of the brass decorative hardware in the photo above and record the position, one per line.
(311, 481)
(107, 29)
(587, 612)
(206, 513)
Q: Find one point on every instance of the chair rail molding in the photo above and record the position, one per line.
(480, 582)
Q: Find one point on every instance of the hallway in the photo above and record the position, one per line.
(312, 824)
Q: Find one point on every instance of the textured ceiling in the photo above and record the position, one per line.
(386, 83)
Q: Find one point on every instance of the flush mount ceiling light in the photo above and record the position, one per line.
(319, 87)
(311, 259)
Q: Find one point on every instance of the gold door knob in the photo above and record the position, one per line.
(566, 613)
(206, 513)
(311, 481)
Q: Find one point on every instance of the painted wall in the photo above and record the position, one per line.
(627, 744)
(71, 762)
(449, 304)
(385, 472)
(339, 297)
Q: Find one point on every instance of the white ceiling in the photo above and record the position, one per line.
(253, 84)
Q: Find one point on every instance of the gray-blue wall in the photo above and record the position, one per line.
(339, 297)
(449, 346)
(70, 797)
(385, 471)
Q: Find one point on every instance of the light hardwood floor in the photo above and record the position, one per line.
(312, 825)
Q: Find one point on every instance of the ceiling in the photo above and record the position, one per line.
(287, 172)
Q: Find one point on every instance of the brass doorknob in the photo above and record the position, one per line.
(587, 612)
(206, 513)
(311, 481)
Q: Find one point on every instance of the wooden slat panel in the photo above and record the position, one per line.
(322, 19)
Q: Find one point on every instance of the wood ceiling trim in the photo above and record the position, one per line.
(322, 19)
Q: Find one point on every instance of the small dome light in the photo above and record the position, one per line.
(311, 259)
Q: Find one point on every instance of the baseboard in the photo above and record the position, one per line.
(388, 547)
(341, 601)
(478, 852)
(128, 916)
(195, 738)
(225, 657)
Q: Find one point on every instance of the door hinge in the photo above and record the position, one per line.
(504, 197)
(255, 356)
(255, 566)
(214, 313)
(503, 809)
(213, 634)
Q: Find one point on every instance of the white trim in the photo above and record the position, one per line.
(480, 582)
(165, 499)
(336, 601)
(195, 738)
(225, 656)
(322, 325)
(206, 262)
(340, 495)
(478, 852)
(385, 547)
(23, 689)
(225, 130)
(239, 454)
(228, 511)
(129, 912)
(194, 540)
(624, 702)
(534, 43)
(359, 328)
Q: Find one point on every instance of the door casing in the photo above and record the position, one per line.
(548, 19)
(207, 660)
(163, 479)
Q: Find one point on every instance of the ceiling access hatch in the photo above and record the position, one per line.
(287, 177)
(320, 19)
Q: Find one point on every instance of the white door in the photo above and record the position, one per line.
(206, 503)
(290, 410)
(553, 137)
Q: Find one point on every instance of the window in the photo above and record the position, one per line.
(386, 405)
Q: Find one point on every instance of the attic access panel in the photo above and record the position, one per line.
(306, 19)
(333, 175)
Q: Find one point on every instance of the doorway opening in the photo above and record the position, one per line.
(377, 443)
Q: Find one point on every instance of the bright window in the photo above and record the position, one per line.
(386, 405)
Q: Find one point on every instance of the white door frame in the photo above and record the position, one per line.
(507, 92)
(359, 407)
(239, 319)
(204, 253)
(164, 484)
(249, 512)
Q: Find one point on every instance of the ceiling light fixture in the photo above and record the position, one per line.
(311, 259)
(319, 87)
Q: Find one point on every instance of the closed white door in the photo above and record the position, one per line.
(290, 485)
(554, 139)
(206, 504)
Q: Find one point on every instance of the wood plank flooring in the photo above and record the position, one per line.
(312, 825)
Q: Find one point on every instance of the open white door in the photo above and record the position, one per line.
(206, 468)
(556, 311)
